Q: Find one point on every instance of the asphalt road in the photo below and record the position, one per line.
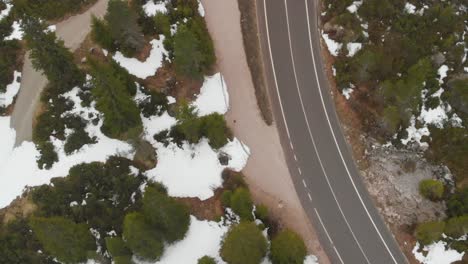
(325, 175)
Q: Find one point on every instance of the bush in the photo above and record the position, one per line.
(457, 204)
(428, 232)
(206, 260)
(214, 128)
(121, 114)
(165, 213)
(67, 241)
(431, 189)
(226, 198)
(287, 248)
(261, 212)
(9, 52)
(51, 9)
(155, 104)
(162, 24)
(48, 156)
(241, 203)
(244, 244)
(143, 239)
(457, 226)
(117, 247)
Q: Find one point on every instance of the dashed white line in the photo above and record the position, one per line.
(299, 169)
(295, 157)
(303, 182)
(310, 197)
(290, 143)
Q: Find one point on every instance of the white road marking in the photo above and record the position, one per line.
(338, 254)
(334, 137)
(312, 137)
(290, 143)
(299, 169)
(323, 226)
(310, 197)
(295, 157)
(303, 182)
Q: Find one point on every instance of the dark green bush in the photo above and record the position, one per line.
(261, 212)
(206, 260)
(48, 156)
(428, 232)
(143, 239)
(155, 104)
(431, 189)
(50, 9)
(226, 198)
(244, 244)
(287, 248)
(63, 238)
(457, 226)
(117, 247)
(9, 52)
(457, 204)
(241, 203)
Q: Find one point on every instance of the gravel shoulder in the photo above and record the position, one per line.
(266, 172)
(72, 31)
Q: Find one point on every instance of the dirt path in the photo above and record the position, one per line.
(266, 171)
(72, 31)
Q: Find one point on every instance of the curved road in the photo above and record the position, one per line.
(72, 31)
(326, 178)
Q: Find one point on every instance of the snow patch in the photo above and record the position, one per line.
(348, 91)
(17, 32)
(410, 8)
(354, 6)
(442, 71)
(437, 253)
(11, 90)
(353, 47)
(150, 66)
(213, 97)
(201, 9)
(5, 12)
(151, 9)
(333, 46)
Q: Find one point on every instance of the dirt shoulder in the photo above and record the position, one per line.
(266, 172)
(72, 31)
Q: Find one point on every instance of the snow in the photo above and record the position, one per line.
(17, 32)
(151, 9)
(436, 116)
(11, 90)
(442, 71)
(354, 6)
(201, 9)
(416, 134)
(196, 166)
(5, 12)
(156, 124)
(311, 259)
(410, 8)
(348, 91)
(150, 66)
(18, 167)
(203, 238)
(333, 46)
(51, 28)
(437, 254)
(213, 97)
(353, 47)
(171, 100)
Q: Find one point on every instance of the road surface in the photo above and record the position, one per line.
(325, 176)
(72, 31)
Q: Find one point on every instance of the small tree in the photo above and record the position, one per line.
(431, 189)
(142, 238)
(165, 213)
(215, 129)
(206, 260)
(288, 248)
(244, 244)
(63, 238)
(457, 226)
(428, 232)
(241, 203)
(117, 247)
(457, 204)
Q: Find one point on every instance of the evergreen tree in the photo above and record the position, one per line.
(142, 238)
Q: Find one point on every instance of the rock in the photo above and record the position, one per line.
(438, 58)
(145, 156)
(223, 158)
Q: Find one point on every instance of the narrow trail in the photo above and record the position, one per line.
(72, 31)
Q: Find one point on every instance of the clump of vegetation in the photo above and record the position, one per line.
(119, 30)
(118, 249)
(428, 232)
(193, 128)
(50, 9)
(241, 204)
(64, 239)
(244, 244)
(206, 260)
(287, 248)
(431, 189)
(9, 52)
(457, 204)
(121, 114)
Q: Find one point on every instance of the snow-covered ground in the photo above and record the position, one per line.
(437, 253)
(150, 66)
(5, 12)
(151, 8)
(11, 90)
(333, 46)
(213, 96)
(17, 32)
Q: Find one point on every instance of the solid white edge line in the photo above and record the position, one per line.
(334, 137)
(313, 140)
(338, 254)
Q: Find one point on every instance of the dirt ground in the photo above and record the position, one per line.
(267, 175)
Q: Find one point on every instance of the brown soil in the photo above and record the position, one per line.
(210, 209)
(249, 28)
(21, 207)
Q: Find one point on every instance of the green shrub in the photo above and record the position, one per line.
(261, 212)
(226, 198)
(457, 204)
(155, 104)
(165, 213)
(9, 52)
(51, 9)
(121, 114)
(142, 238)
(206, 260)
(117, 247)
(241, 203)
(431, 189)
(48, 156)
(67, 241)
(428, 232)
(244, 244)
(457, 226)
(214, 128)
(162, 24)
(123, 260)
(77, 140)
(287, 248)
